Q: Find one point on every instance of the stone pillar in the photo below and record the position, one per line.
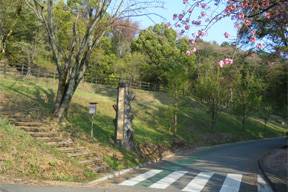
(124, 133)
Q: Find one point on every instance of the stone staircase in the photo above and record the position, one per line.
(46, 132)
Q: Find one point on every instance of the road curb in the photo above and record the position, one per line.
(261, 168)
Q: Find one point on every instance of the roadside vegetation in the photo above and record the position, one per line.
(22, 157)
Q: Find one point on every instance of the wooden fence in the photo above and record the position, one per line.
(21, 69)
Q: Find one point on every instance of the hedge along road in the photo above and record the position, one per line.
(222, 168)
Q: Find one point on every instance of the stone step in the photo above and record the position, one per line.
(14, 116)
(99, 168)
(91, 161)
(82, 155)
(36, 129)
(52, 139)
(4, 112)
(28, 124)
(44, 134)
(62, 144)
(17, 119)
(72, 149)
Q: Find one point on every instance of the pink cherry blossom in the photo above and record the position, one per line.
(185, 1)
(207, 20)
(227, 34)
(236, 26)
(187, 27)
(193, 50)
(190, 10)
(194, 35)
(267, 15)
(175, 16)
(191, 41)
(271, 64)
(252, 32)
(240, 16)
(221, 63)
(253, 39)
(228, 61)
(259, 46)
(203, 13)
(247, 22)
(168, 25)
(201, 33)
(188, 53)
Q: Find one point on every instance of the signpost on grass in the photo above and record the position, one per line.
(92, 110)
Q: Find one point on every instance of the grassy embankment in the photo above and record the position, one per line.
(36, 97)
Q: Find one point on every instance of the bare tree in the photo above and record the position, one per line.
(72, 63)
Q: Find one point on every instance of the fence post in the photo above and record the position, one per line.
(140, 84)
(119, 79)
(22, 69)
(96, 79)
(4, 68)
(38, 71)
(54, 74)
(108, 79)
(148, 86)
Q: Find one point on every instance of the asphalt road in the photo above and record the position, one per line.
(219, 169)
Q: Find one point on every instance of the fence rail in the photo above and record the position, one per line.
(22, 69)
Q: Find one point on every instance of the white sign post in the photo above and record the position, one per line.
(92, 110)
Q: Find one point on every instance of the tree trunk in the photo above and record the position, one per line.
(175, 119)
(60, 93)
(67, 91)
(213, 121)
(243, 123)
(213, 126)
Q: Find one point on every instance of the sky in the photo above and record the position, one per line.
(215, 33)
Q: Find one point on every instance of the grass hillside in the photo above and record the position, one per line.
(35, 97)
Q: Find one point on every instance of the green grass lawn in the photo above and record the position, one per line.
(35, 97)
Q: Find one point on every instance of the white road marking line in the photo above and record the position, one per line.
(198, 183)
(168, 180)
(231, 183)
(262, 185)
(142, 177)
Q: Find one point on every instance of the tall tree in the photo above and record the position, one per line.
(178, 72)
(9, 16)
(158, 43)
(212, 94)
(71, 58)
(246, 97)
(123, 31)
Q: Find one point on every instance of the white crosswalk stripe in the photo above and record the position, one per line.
(168, 180)
(142, 177)
(262, 185)
(198, 183)
(231, 183)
